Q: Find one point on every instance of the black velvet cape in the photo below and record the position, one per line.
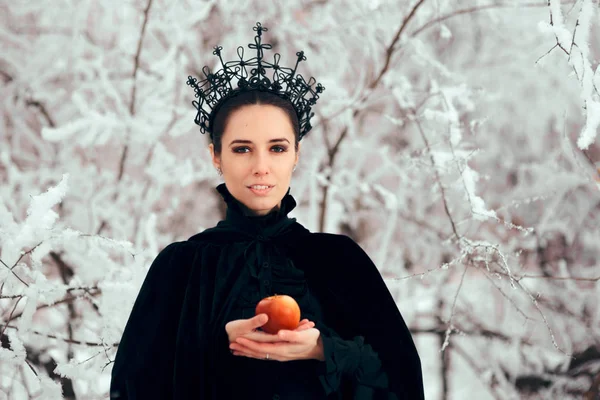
(174, 345)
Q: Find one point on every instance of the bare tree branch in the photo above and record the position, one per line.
(450, 323)
(136, 63)
(559, 278)
(43, 110)
(61, 301)
(11, 314)
(437, 176)
(333, 151)
(132, 109)
(471, 10)
(395, 40)
(14, 273)
(66, 340)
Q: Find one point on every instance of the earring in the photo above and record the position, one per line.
(219, 172)
(294, 168)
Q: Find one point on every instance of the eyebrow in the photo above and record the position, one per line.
(250, 141)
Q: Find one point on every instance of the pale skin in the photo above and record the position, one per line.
(303, 343)
(258, 148)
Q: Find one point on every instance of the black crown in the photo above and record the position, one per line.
(217, 87)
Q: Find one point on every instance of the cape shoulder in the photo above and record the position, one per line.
(172, 265)
(144, 358)
(351, 275)
(345, 273)
(359, 297)
(345, 258)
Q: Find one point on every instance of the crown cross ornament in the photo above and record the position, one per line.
(242, 75)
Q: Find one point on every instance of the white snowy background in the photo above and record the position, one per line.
(456, 141)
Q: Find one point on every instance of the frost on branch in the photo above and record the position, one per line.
(575, 43)
(42, 292)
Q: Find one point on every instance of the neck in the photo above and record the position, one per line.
(254, 213)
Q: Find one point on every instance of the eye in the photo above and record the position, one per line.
(279, 149)
(246, 149)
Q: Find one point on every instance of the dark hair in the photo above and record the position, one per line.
(252, 97)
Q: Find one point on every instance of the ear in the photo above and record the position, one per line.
(298, 152)
(216, 161)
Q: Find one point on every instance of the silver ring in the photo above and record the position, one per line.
(266, 358)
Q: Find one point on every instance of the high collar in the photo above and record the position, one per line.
(265, 225)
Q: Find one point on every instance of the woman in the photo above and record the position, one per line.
(192, 333)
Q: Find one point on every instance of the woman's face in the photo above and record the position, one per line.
(257, 149)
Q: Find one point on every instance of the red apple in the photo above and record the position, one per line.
(283, 312)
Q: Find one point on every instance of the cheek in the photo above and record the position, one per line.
(235, 164)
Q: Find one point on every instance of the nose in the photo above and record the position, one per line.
(261, 164)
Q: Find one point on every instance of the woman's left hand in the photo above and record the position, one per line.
(294, 345)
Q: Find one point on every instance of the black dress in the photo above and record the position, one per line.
(175, 345)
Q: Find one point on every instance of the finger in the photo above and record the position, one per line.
(244, 351)
(305, 326)
(288, 336)
(257, 321)
(239, 350)
(302, 328)
(302, 325)
(303, 336)
(262, 337)
(263, 348)
(242, 326)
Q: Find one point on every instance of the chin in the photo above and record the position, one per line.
(261, 205)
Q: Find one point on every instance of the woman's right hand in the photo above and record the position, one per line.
(247, 328)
